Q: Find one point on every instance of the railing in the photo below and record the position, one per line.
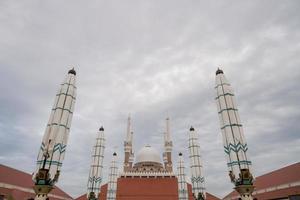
(147, 174)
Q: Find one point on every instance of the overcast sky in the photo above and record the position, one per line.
(152, 59)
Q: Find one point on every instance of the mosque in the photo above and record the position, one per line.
(145, 176)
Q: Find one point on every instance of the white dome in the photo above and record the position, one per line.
(148, 154)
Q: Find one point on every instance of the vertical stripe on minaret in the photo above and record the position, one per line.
(167, 155)
(112, 179)
(53, 147)
(196, 165)
(235, 146)
(129, 156)
(95, 176)
(182, 184)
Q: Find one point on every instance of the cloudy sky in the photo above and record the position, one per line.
(152, 59)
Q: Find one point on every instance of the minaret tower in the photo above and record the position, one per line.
(235, 146)
(95, 176)
(112, 179)
(167, 155)
(54, 143)
(182, 185)
(129, 156)
(196, 165)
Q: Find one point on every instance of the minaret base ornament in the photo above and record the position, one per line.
(42, 191)
(92, 196)
(245, 191)
(42, 186)
(200, 197)
(244, 186)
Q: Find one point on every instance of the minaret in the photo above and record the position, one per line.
(196, 165)
(167, 155)
(129, 156)
(182, 185)
(235, 145)
(112, 179)
(53, 148)
(95, 176)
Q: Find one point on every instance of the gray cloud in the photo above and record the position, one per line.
(151, 60)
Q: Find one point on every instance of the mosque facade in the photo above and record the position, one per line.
(149, 174)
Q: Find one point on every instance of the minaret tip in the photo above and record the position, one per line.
(115, 154)
(72, 71)
(219, 71)
(180, 154)
(192, 129)
(101, 128)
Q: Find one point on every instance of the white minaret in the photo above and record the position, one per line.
(182, 184)
(129, 156)
(167, 155)
(197, 178)
(95, 176)
(235, 146)
(112, 179)
(53, 148)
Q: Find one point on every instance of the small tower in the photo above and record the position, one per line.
(182, 185)
(54, 143)
(129, 156)
(167, 155)
(196, 165)
(95, 176)
(112, 179)
(235, 146)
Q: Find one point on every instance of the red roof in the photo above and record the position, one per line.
(82, 197)
(147, 189)
(18, 178)
(211, 197)
(280, 177)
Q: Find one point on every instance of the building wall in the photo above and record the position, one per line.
(162, 188)
(281, 194)
(145, 189)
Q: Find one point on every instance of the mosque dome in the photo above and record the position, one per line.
(148, 154)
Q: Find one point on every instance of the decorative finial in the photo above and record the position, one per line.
(219, 71)
(115, 154)
(192, 129)
(101, 128)
(180, 154)
(72, 71)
